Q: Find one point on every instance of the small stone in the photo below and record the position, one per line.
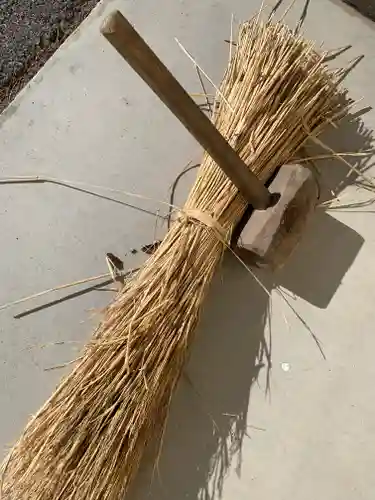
(53, 34)
(44, 40)
(17, 67)
(63, 26)
(69, 14)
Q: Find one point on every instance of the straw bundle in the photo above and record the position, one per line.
(88, 439)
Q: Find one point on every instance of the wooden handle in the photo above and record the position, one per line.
(129, 44)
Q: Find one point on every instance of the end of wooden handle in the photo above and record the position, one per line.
(111, 23)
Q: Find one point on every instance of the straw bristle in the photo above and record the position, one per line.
(88, 439)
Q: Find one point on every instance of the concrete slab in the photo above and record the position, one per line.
(304, 429)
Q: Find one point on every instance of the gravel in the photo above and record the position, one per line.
(30, 32)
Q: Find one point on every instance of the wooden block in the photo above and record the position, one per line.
(270, 236)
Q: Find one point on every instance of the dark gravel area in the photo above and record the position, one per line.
(30, 32)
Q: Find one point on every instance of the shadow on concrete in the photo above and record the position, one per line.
(315, 271)
(329, 247)
(364, 7)
(350, 136)
(209, 416)
(210, 411)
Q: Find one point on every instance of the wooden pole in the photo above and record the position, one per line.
(131, 46)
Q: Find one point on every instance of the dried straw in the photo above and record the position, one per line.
(87, 441)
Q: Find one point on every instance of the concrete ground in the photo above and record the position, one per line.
(304, 429)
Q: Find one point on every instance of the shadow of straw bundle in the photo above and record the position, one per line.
(88, 439)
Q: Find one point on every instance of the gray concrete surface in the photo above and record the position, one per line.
(304, 429)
